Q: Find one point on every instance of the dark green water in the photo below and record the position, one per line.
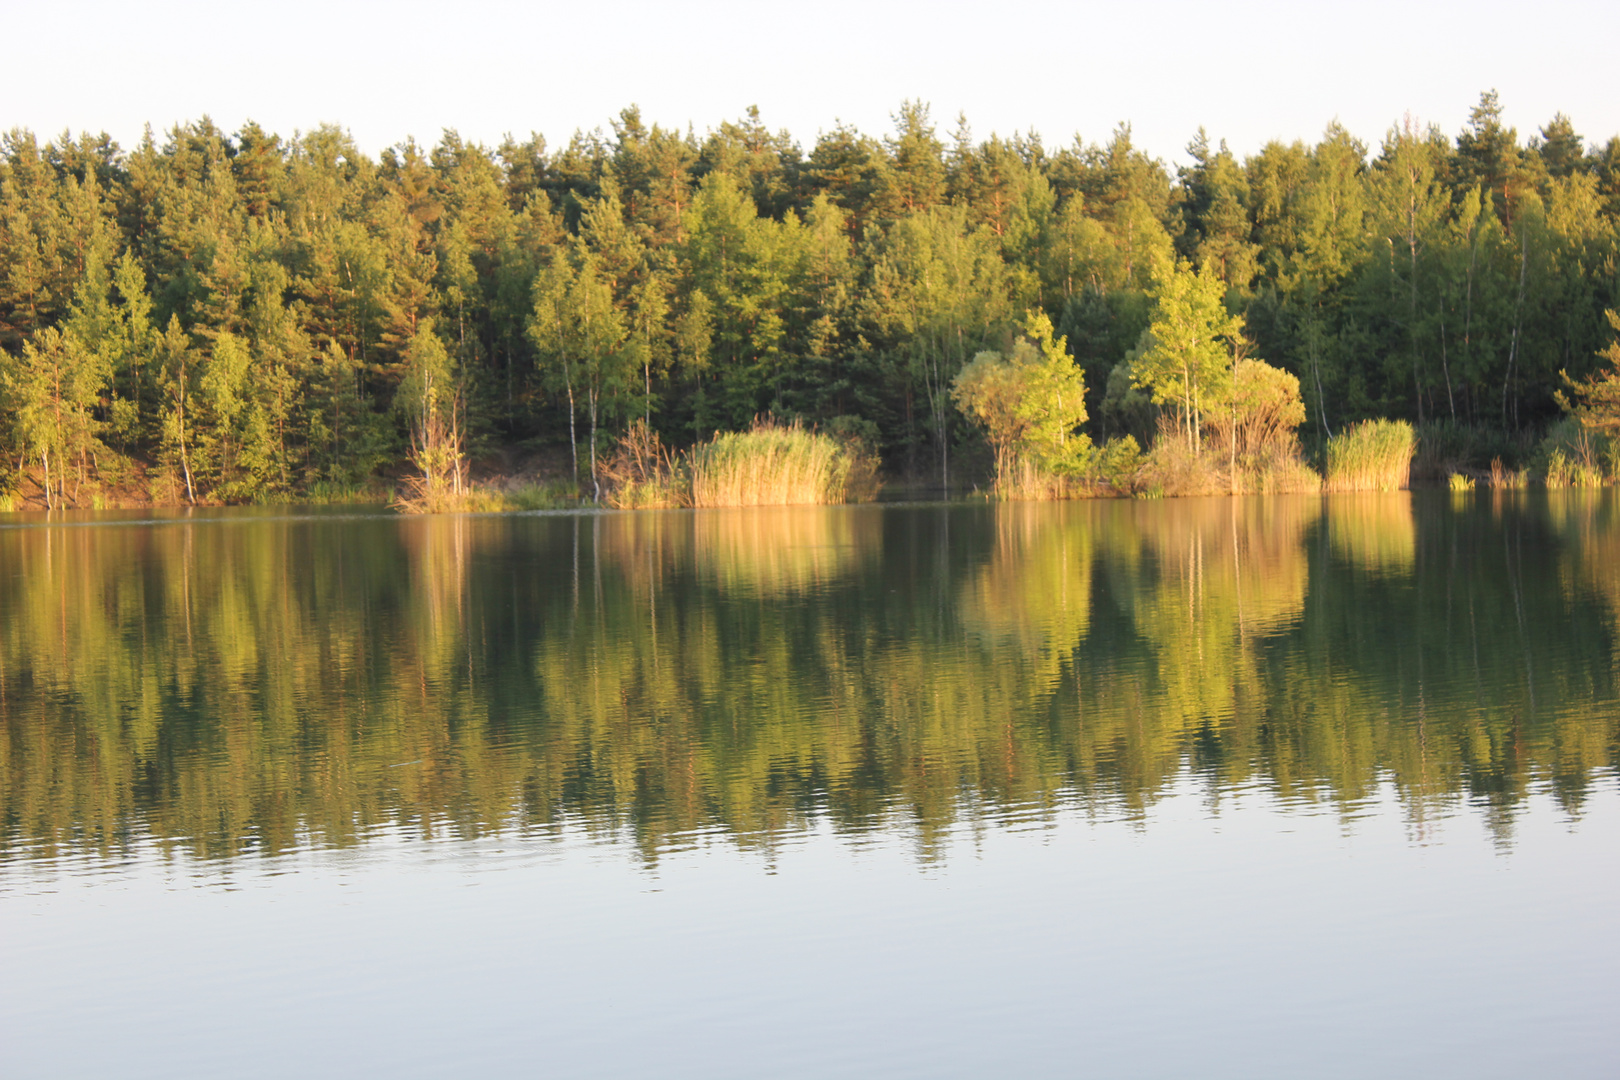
(1244, 787)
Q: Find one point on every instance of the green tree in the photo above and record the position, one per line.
(584, 341)
(1188, 347)
(1031, 401)
(52, 391)
(938, 294)
(177, 361)
(433, 405)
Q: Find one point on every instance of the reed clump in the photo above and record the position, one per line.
(1374, 455)
(1573, 455)
(772, 464)
(1504, 477)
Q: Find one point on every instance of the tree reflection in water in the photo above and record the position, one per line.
(232, 685)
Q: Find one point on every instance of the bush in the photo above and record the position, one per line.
(1118, 464)
(642, 474)
(1173, 466)
(1374, 455)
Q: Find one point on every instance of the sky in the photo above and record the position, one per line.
(1248, 72)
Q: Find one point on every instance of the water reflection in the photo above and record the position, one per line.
(284, 682)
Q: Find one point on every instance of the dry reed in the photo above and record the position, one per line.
(1504, 477)
(1269, 466)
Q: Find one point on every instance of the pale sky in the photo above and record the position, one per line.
(1248, 71)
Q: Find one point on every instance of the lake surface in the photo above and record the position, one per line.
(1219, 787)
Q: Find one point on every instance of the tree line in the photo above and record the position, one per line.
(255, 315)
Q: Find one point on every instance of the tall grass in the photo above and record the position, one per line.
(1374, 455)
(772, 465)
(1572, 456)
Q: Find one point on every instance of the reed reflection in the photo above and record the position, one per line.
(263, 685)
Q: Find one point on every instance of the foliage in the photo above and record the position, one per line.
(51, 391)
(1117, 463)
(1574, 454)
(642, 473)
(1595, 401)
(1255, 431)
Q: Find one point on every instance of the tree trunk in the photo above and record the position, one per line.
(573, 441)
(596, 485)
(1445, 366)
(1518, 323)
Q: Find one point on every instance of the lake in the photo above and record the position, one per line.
(1264, 787)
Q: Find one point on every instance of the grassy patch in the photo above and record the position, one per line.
(333, 493)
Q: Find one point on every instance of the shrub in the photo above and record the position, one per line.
(1374, 455)
(1175, 467)
(518, 496)
(1118, 463)
(642, 474)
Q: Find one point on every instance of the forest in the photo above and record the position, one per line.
(251, 317)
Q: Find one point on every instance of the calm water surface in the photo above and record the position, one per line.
(1248, 788)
